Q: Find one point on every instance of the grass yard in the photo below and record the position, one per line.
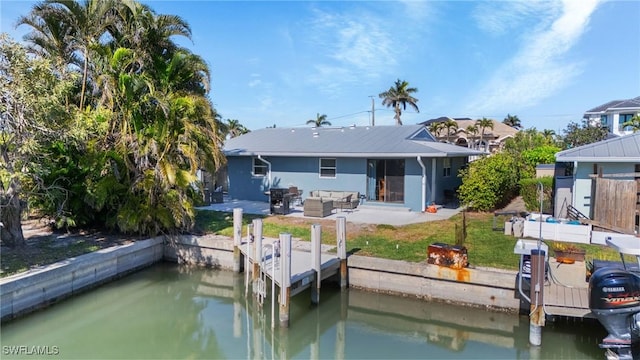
(486, 247)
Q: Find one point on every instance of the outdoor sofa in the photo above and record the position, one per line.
(340, 199)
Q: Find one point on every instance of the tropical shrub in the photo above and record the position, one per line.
(489, 182)
(545, 154)
(530, 192)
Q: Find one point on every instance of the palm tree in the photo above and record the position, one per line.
(435, 127)
(634, 123)
(82, 26)
(51, 38)
(472, 132)
(513, 121)
(483, 124)
(162, 131)
(549, 135)
(147, 33)
(319, 121)
(159, 125)
(234, 128)
(449, 124)
(399, 95)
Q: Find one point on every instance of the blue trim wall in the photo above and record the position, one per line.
(351, 175)
(297, 171)
(413, 183)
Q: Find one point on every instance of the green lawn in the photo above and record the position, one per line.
(486, 247)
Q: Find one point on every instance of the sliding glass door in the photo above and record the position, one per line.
(385, 180)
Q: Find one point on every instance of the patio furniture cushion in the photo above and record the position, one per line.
(318, 207)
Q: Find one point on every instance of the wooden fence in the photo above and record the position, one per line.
(615, 203)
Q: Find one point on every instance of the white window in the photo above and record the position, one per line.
(327, 168)
(446, 166)
(259, 167)
(604, 121)
(623, 118)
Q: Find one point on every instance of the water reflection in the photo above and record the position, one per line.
(180, 312)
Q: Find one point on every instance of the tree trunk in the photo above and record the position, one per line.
(398, 121)
(11, 216)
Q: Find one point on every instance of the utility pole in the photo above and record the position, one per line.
(373, 111)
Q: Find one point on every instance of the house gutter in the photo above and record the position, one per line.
(573, 186)
(433, 179)
(424, 184)
(268, 165)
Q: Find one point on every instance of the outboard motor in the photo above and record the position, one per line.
(614, 298)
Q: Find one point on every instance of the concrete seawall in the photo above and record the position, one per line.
(491, 288)
(28, 291)
(209, 250)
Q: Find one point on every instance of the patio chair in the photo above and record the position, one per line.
(296, 195)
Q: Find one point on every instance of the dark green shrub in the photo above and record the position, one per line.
(530, 192)
(489, 182)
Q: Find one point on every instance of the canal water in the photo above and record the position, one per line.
(176, 312)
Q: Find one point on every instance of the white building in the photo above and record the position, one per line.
(613, 114)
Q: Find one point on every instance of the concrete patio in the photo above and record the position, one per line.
(367, 213)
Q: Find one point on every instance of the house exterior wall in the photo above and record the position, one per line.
(413, 183)
(582, 181)
(450, 182)
(242, 184)
(302, 172)
(612, 122)
(351, 175)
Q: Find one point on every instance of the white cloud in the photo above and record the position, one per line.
(498, 17)
(352, 47)
(539, 68)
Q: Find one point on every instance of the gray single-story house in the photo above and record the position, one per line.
(616, 158)
(401, 166)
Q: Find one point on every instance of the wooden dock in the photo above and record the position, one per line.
(302, 274)
(561, 300)
(275, 262)
(566, 293)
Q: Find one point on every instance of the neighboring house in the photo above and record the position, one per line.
(613, 114)
(388, 165)
(492, 141)
(616, 160)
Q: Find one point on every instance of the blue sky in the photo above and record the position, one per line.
(277, 62)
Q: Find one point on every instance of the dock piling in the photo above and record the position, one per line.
(237, 240)
(257, 248)
(285, 280)
(247, 258)
(316, 247)
(536, 316)
(341, 238)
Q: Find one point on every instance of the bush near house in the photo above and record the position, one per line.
(489, 183)
(530, 192)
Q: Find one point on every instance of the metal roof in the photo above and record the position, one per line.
(352, 141)
(616, 104)
(620, 149)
